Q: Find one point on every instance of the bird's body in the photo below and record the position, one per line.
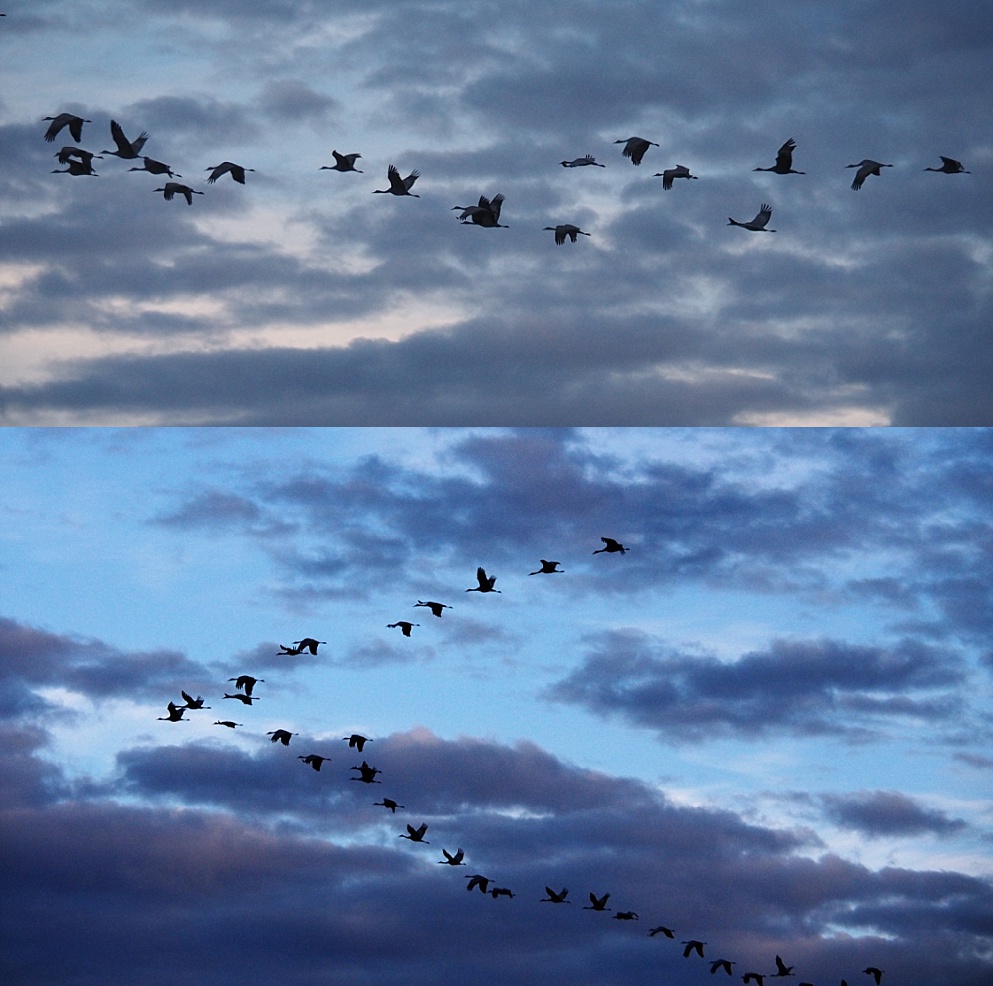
(356, 741)
(597, 903)
(416, 835)
(485, 213)
(949, 166)
(126, 149)
(784, 160)
(758, 224)
(626, 916)
(435, 608)
(289, 651)
(566, 229)
(610, 546)
(877, 974)
(76, 166)
(280, 736)
(782, 969)
(547, 568)
(671, 174)
(662, 930)
(452, 860)
(171, 188)
(154, 167)
(66, 154)
(556, 898)
(236, 171)
(226, 722)
(389, 803)
(635, 147)
(398, 185)
(866, 167)
(308, 643)
(478, 880)
(404, 625)
(244, 699)
(485, 582)
(756, 977)
(501, 892)
(193, 703)
(583, 162)
(175, 713)
(342, 162)
(693, 946)
(367, 774)
(313, 760)
(724, 964)
(70, 120)
(245, 683)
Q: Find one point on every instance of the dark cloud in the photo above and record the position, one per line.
(883, 814)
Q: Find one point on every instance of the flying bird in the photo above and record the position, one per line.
(280, 736)
(662, 930)
(388, 803)
(175, 713)
(547, 568)
(757, 977)
(308, 643)
(597, 903)
(398, 185)
(670, 174)
(485, 582)
(314, 760)
(451, 860)
(70, 120)
(556, 898)
(756, 225)
(404, 626)
(876, 974)
(866, 168)
(342, 162)
(356, 741)
(156, 168)
(172, 187)
(693, 946)
(127, 150)
(784, 160)
(244, 699)
(478, 880)
(782, 969)
(583, 162)
(501, 892)
(191, 702)
(236, 171)
(245, 683)
(949, 166)
(564, 230)
(435, 608)
(68, 153)
(415, 835)
(625, 916)
(635, 147)
(486, 213)
(227, 722)
(291, 651)
(610, 546)
(367, 774)
(724, 964)
(75, 166)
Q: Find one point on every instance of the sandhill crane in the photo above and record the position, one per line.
(415, 835)
(193, 703)
(670, 174)
(154, 167)
(74, 166)
(597, 903)
(281, 736)
(398, 185)
(610, 546)
(547, 568)
(70, 120)
(784, 160)
(693, 946)
(949, 166)
(756, 225)
(227, 722)
(866, 168)
(501, 892)
(583, 162)
(245, 683)
(556, 898)
(236, 171)
(876, 974)
(451, 860)
(367, 774)
(68, 153)
(724, 964)
(244, 699)
(566, 229)
(435, 608)
(478, 880)
(127, 150)
(172, 187)
(175, 713)
(342, 162)
(485, 582)
(314, 760)
(626, 916)
(662, 930)
(635, 147)
(404, 625)
(356, 741)
(486, 213)
(757, 977)
(782, 969)
(308, 643)
(388, 803)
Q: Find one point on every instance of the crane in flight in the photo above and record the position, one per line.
(866, 167)
(566, 229)
(398, 185)
(758, 224)
(70, 120)
(635, 147)
(784, 160)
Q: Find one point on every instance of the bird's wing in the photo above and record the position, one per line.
(763, 215)
(784, 158)
(410, 179)
(123, 144)
(396, 182)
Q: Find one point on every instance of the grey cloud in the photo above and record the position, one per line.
(883, 814)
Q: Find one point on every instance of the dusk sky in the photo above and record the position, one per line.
(765, 725)
(303, 298)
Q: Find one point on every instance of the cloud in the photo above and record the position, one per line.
(883, 814)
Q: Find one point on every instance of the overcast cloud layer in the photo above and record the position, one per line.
(303, 298)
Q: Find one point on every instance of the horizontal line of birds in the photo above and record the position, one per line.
(367, 774)
(485, 213)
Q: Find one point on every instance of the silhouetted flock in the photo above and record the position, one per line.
(367, 774)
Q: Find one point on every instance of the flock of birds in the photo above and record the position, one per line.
(244, 692)
(486, 212)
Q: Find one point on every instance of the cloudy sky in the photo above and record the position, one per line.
(301, 298)
(766, 725)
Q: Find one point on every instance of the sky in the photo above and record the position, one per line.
(301, 298)
(766, 725)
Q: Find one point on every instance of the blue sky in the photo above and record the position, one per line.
(301, 298)
(766, 724)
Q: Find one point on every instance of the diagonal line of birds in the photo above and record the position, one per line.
(367, 774)
(486, 212)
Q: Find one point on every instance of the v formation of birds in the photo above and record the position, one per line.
(367, 774)
(485, 212)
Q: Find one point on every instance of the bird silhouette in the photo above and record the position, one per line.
(291, 651)
(758, 224)
(556, 898)
(583, 162)
(670, 174)
(308, 643)
(389, 803)
(564, 230)
(367, 774)
(245, 683)
(236, 171)
(156, 168)
(610, 546)
(356, 742)
(342, 162)
(126, 149)
(172, 188)
(782, 969)
(193, 703)
(547, 568)
(435, 608)
(501, 892)
(597, 903)
(949, 166)
(451, 860)
(175, 713)
(724, 964)
(876, 974)
(70, 120)
(244, 699)
(625, 916)
(398, 185)
(280, 736)
(693, 946)
(226, 722)
(66, 154)
(784, 160)
(76, 166)
(314, 760)
(756, 977)
(478, 880)
(485, 582)
(415, 835)
(404, 626)
(866, 167)
(635, 147)
(486, 213)
(662, 930)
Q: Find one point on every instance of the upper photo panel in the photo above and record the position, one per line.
(375, 212)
